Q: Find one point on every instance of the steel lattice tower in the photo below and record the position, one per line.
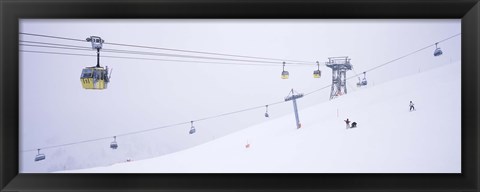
(339, 66)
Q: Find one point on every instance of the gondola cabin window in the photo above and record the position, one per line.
(97, 74)
(87, 73)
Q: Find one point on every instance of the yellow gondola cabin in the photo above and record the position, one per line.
(94, 78)
(317, 74)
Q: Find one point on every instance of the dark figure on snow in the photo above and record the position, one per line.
(348, 123)
(354, 124)
(412, 106)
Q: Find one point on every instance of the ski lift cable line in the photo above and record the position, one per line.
(210, 53)
(149, 53)
(56, 44)
(239, 111)
(197, 120)
(169, 49)
(411, 53)
(49, 36)
(58, 47)
(224, 114)
(195, 57)
(356, 74)
(140, 53)
(149, 59)
(68, 144)
(389, 62)
(81, 48)
(153, 129)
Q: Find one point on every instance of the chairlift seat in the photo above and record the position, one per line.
(437, 52)
(266, 115)
(114, 145)
(363, 83)
(192, 130)
(39, 157)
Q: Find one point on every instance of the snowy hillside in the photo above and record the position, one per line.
(389, 138)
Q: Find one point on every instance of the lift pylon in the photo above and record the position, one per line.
(293, 96)
(339, 66)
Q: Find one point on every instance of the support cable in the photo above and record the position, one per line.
(167, 49)
(149, 59)
(81, 48)
(153, 129)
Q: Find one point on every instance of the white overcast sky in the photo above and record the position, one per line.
(54, 109)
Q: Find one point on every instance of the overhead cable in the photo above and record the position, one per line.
(170, 49)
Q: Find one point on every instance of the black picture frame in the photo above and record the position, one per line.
(11, 11)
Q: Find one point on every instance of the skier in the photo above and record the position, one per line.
(347, 123)
(412, 106)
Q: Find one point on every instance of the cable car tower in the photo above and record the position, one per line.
(293, 96)
(339, 66)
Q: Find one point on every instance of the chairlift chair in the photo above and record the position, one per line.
(437, 51)
(192, 128)
(114, 144)
(39, 156)
(266, 111)
(363, 82)
(359, 84)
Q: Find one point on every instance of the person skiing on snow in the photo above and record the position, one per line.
(348, 123)
(412, 106)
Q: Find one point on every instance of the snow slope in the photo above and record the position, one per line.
(389, 138)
